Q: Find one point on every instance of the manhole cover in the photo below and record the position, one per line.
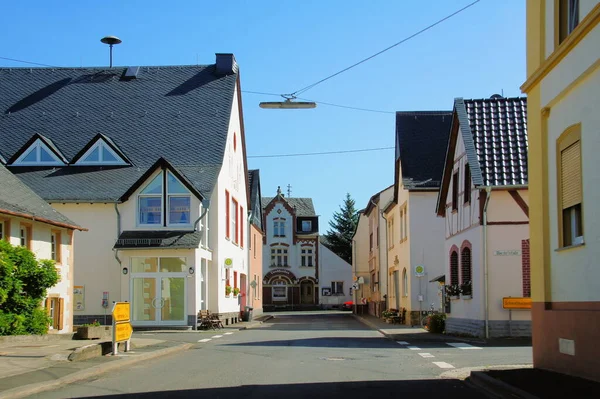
(335, 359)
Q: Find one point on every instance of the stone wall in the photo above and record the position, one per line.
(497, 328)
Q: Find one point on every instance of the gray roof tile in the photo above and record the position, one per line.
(180, 113)
(304, 206)
(421, 144)
(16, 197)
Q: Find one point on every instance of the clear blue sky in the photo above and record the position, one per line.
(282, 46)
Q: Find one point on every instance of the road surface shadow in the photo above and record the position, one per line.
(446, 389)
(327, 342)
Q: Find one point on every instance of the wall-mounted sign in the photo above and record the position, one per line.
(361, 280)
(354, 278)
(325, 291)
(419, 271)
(512, 252)
(228, 263)
(516, 303)
(78, 297)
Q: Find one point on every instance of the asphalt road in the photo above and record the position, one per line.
(297, 356)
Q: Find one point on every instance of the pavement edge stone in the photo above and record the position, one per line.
(31, 389)
(496, 388)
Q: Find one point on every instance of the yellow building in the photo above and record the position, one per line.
(563, 86)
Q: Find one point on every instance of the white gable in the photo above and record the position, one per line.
(100, 154)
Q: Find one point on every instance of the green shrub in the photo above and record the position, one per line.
(23, 284)
(437, 323)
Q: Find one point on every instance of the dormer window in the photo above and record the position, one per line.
(100, 154)
(159, 191)
(38, 153)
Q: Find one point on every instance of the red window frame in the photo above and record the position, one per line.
(227, 214)
(241, 226)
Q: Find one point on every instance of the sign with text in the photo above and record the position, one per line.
(123, 331)
(120, 311)
(516, 303)
(512, 252)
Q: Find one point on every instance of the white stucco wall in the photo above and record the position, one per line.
(575, 273)
(232, 178)
(95, 265)
(333, 268)
(360, 257)
(426, 239)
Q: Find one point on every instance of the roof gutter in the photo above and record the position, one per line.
(42, 220)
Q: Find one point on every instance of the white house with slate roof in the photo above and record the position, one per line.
(290, 254)
(152, 160)
(415, 236)
(27, 220)
(483, 199)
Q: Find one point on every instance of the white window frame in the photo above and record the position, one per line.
(284, 255)
(165, 212)
(23, 236)
(37, 146)
(334, 288)
(101, 146)
(55, 247)
(309, 224)
(279, 227)
(279, 284)
(233, 213)
(306, 257)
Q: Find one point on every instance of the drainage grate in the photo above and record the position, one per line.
(333, 358)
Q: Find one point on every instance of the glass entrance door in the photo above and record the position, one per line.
(172, 300)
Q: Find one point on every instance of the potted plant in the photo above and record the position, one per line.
(466, 290)
(227, 290)
(453, 291)
(91, 330)
(387, 315)
(236, 291)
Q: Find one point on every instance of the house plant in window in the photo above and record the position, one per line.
(227, 290)
(466, 290)
(452, 291)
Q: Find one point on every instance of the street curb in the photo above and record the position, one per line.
(495, 388)
(391, 336)
(258, 323)
(96, 350)
(31, 389)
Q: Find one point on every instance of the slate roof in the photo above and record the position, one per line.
(180, 113)
(304, 206)
(158, 239)
(255, 198)
(19, 200)
(421, 144)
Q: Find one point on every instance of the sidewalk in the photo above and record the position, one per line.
(526, 383)
(33, 364)
(400, 332)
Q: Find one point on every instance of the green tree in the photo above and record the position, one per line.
(23, 284)
(343, 225)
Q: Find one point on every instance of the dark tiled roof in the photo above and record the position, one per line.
(255, 198)
(17, 198)
(495, 134)
(304, 206)
(180, 113)
(421, 144)
(158, 239)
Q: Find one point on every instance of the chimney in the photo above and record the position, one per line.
(226, 64)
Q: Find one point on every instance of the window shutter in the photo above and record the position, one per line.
(61, 314)
(48, 306)
(227, 221)
(241, 227)
(571, 175)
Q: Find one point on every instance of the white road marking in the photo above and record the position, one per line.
(402, 342)
(205, 340)
(461, 345)
(414, 348)
(426, 355)
(229, 333)
(217, 336)
(443, 365)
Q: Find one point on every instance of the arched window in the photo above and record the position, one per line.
(404, 283)
(466, 271)
(454, 268)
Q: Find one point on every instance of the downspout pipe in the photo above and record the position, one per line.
(387, 288)
(116, 251)
(488, 191)
(205, 206)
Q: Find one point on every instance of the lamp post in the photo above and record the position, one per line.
(111, 41)
(288, 103)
